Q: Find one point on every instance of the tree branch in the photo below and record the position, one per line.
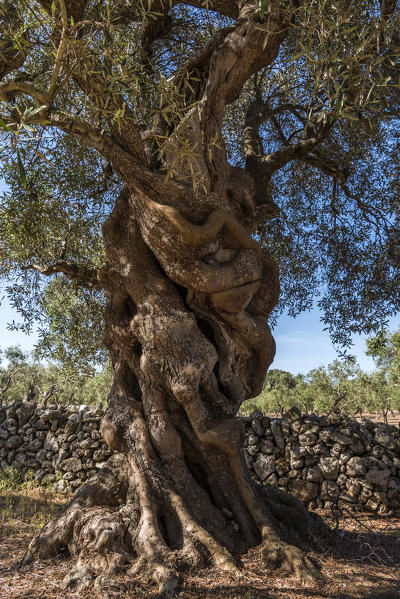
(262, 167)
(156, 27)
(131, 170)
(341, 175)
(326, 166)
(276, 160)
(10, 90)
(69, 8)
(87, 277)
(244, 51)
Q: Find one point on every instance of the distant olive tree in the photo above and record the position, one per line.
(22, 377)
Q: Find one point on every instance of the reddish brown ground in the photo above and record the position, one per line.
(365, 564)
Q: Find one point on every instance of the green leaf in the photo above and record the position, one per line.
(261, 8)
(32, 111)
(22, 173)
(4, 126)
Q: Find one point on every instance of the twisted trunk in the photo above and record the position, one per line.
(189, 296)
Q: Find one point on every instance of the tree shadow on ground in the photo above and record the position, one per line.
(375, 540)
(14, 506)
(21, 517)
(243, 592)
(363, 563)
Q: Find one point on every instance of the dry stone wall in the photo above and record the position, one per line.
(60, 444)
(327, 461)
(322, 460)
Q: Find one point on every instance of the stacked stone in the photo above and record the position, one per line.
(322, 460)
(60, 444)
(326, 461)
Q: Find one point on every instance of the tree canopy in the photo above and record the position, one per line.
(96, 91)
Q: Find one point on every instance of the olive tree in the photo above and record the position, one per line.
(384, 348)
(161, 158)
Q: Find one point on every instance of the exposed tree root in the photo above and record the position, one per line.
(110, 528)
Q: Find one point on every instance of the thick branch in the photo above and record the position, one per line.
(87, 277)
(131, 170)
(248, 48)
(12, 89)
(276, 160)
(262, 167)
(236, 236)
(326, 166)
(257, 113)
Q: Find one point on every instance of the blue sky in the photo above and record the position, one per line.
(301, 342)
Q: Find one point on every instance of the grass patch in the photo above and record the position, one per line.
(22, 500)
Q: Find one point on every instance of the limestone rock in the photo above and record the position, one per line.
(51, 442)
(314, 474)
(257, 427)
(277, 434)
(14, 442)
(296, 463)
(308, 438)
(292, 415)
(378, 476)
(264, 466)
(101, 455)
(281, 466)
(341, 438)
(253, 450)
(329, 468)
(385, 439)
(71, 465)
(252, 439)
(329, 490)
(266, 446)
(304, 490)
(356, 467)
(61, 486)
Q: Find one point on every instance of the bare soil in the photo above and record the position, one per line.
(364, 564)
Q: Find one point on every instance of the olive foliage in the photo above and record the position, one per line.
(73, 75)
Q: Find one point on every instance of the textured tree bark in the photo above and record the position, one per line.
(189, 294)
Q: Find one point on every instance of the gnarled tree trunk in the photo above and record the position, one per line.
(189, 294)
